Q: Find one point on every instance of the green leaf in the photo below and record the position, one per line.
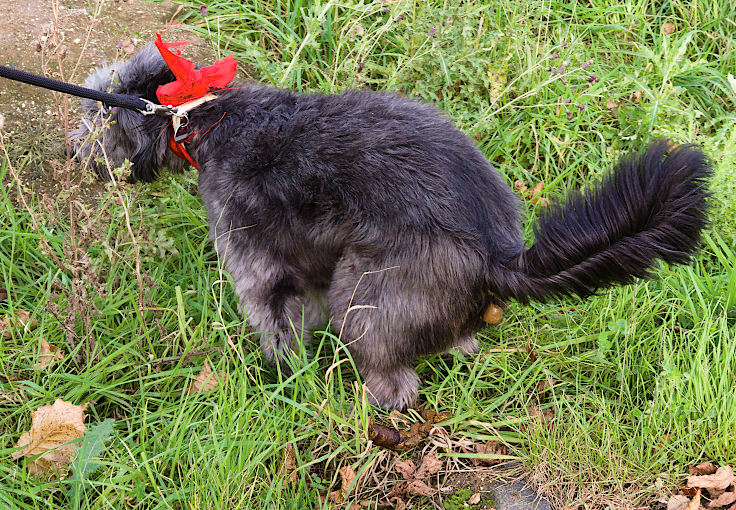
(86, 458)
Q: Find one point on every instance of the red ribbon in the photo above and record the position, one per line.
(191, 83)
(180, 150)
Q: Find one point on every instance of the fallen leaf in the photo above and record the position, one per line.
(405, 468)
(52, 425)
(695, 503)
(128, 46)
(543, 417)
(418, 488)
(206, 380)
(677, 502)
(3, 292)
(417, 432)
(397, 418)
(431, 465)
(720, 480)
(474, 499)
(724, 499)
(49, 353)
(520, 186)
(490, 448)
(288, 464)
(636, 96)
(612, 105)
(706, 468)
(545, 384)
(534, 195)
(22, 319)
(668, 28)
(347, 475)
(432, 416)
(398, 503)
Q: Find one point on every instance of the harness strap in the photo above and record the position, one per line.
(180, 150)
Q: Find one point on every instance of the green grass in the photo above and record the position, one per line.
(643, 376)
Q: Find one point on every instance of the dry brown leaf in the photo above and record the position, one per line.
(724, 499)
(542, 417)
(677, 502)
(490, 448)
(668, 28)
(22, 319)
(405, 468)
(432, 416)
(636, 96)
(431, 465)
(536, 190)
(520, 186)
(288, 464)
(695, 503)
(128, 46)
(398, 503)
(612, 105)
(534, 195)
(546, 384)
(706, 468)
(206, 380)
(52, 425)
(417, 432)
(720, 480)
(49, 354)
(474, 499)
(347, 475)
(3, 294)
(418, 488)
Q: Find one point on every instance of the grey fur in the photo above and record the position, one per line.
(364, 207)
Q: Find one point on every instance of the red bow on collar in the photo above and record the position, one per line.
(190, 84)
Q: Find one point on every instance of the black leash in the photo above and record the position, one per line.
(121, 100)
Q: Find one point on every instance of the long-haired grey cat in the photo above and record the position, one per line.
(306, 193)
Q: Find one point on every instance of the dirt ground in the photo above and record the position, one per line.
(67, 44)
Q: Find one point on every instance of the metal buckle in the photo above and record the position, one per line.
(158, 109)
(181, 131)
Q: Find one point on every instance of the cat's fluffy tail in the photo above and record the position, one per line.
(653, 206)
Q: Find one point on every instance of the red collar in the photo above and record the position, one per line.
(180, 149)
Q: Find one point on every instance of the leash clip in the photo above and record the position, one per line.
(158, 109)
